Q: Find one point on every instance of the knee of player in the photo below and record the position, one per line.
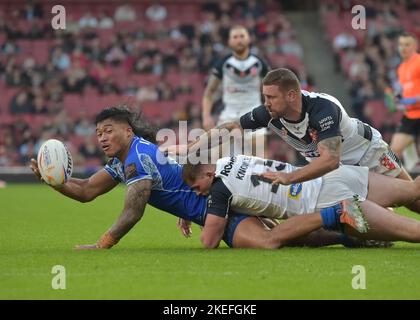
(273, 242)
(209, 243)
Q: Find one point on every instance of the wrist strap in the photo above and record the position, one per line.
(106, 241)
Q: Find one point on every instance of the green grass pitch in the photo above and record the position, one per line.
(39, 228)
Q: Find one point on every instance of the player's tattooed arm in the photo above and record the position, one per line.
(137, 195)
(329, 159)
(332, 146)
(136, 198)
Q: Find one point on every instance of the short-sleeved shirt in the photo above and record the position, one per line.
(169, 192)
(239, 187)
(241, 81)
(322, 117)
(409, 78)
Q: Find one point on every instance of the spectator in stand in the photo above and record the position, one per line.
(184, 87)
(89, 150)
(78, 58)
(156, 12)
(22, 103)
(60, 59)
(108, 86)
(32, 11)
(165, 91)
(15, 77)
(9, 47)
(125, 12)
(105, 21)
(115, 54)
(147, 93)
(84, 127)
(40, 106)
(99, 72)
(88, 21)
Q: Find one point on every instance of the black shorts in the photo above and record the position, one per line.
(410, 126)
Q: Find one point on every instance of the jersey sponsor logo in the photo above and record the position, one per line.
(326, 123)
(387, 162)
(242, 169)
(227, 168)
(130, 171)
(295, 191)
(231, 89)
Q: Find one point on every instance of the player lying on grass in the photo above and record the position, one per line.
(237, 184)
(134, 161)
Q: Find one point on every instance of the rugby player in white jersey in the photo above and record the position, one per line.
(237, 184)
(316, 125)
(239, 74)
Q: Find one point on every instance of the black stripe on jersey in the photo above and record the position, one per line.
(219, 199)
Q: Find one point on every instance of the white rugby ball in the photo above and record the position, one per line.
(54, 162)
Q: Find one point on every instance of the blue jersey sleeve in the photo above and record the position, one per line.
(112, 169)
(134, 168)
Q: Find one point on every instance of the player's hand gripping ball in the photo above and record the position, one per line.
(55, 163)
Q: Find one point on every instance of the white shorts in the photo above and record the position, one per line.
(343, 183)
(380, 158)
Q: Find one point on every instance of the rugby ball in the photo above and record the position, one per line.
(55, 163)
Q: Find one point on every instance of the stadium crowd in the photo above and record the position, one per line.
(154, 56)
(369, 57)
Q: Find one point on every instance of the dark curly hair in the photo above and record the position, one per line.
(135, 119)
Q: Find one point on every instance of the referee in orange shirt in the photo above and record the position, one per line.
(409, 78)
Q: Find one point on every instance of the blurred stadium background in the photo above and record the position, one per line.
(156, 56)
(52, 83)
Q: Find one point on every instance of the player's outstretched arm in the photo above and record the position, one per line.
(328, 160)
(214, 137)
(83, 190)
(206, 141)
(136, 198)
(213, 230)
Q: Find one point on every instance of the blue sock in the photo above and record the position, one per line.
(331, 217)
